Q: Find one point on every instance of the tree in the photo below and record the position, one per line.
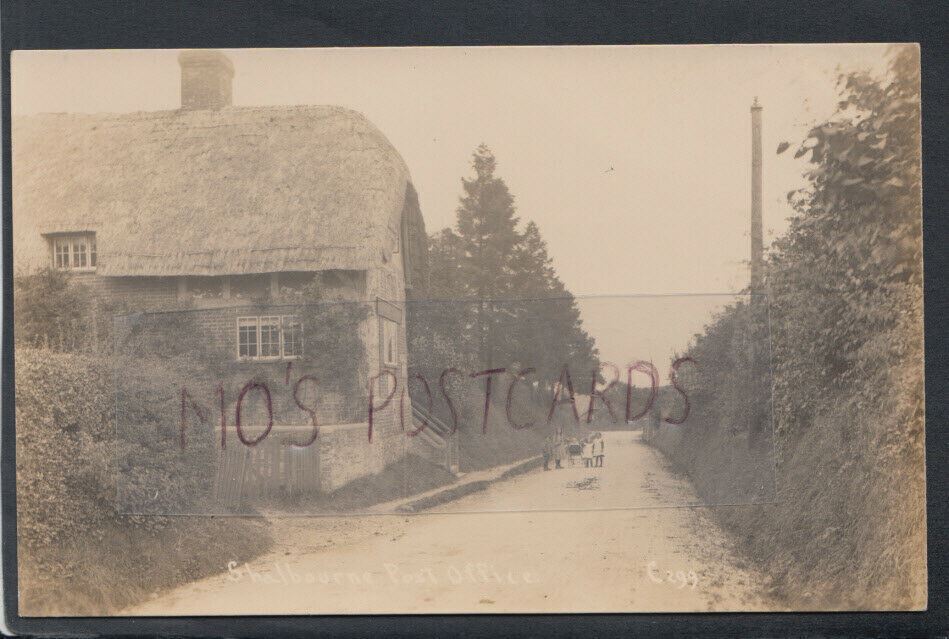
(845, 289)
(438, 323)
(534, 274)
(496, 296)
(487, 238)
(51, 311)
(854, 245)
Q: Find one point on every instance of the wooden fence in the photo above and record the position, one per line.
(272, 468)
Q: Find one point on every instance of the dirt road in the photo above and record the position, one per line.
(655, 556)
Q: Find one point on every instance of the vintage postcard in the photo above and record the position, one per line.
(468, 330)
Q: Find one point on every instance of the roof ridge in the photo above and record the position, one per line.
(189, 113)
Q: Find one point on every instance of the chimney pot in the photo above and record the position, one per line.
(206, 77)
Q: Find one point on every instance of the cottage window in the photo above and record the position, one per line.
(74, 252)
(269, 337)
(247, 337)
(62, 255)
(292, 337)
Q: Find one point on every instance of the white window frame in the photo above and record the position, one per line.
(76, 248)
(283, 322)
(289, 322)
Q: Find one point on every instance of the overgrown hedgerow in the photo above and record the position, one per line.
(77, 553)
(847, 527)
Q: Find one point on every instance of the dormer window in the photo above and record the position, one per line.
(74, 251)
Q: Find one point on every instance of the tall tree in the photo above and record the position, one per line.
(488, 237)
(495, 298)
(534, 273)
(549, 328)
(439, 325)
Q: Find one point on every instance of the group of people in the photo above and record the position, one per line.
(589, 450)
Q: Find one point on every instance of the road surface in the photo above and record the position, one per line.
(656, 556)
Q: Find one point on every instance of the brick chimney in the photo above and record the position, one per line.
(205, 79)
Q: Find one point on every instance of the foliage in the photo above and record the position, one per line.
(334, 345)
(333, 350)
(854, 246)
(47, 310)
(845, 298)
(65, 470)
(77, 553)
(497, 301)
(164, 369)
(54, 311)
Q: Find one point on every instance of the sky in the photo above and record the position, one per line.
(634, 161)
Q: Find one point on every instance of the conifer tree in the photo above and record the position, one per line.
(549, 329)
(501, 303)
(488, 238)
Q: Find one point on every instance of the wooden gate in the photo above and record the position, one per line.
(272, 468)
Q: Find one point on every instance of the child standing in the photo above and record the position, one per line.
(587, 453)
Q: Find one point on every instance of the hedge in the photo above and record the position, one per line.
(77, 553)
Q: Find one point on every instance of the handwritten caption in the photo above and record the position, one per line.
(679, 578)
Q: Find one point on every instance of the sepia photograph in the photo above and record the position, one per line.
(498, 329)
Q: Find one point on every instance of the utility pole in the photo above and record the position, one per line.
(756, 314)
(757, 240)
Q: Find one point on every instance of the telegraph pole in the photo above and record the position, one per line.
(757, 240)
(756, 312)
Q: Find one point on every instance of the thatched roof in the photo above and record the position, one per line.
(239, 190)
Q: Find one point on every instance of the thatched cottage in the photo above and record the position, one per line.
(212, 205)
